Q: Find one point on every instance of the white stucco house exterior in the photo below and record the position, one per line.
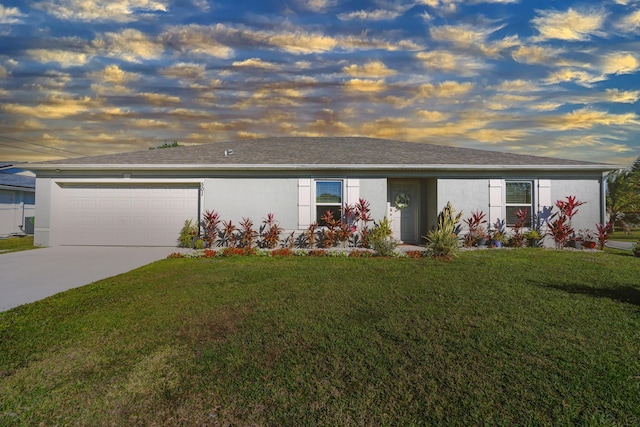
(143, 198)
(17, 200)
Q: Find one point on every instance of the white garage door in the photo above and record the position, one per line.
(124, 215)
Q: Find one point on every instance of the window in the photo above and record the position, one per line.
(519, 196)
(328, 198)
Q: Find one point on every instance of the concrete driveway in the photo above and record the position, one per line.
(627, 246)
(30, 276)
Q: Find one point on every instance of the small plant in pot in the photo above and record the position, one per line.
(533, 238)
(498, 234)
(588, 238)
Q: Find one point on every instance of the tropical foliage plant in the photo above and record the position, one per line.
(247, 234)
(358, 218)
(623, 197)
(603, 233)
(228, 236)
(187, 234)
(560, 227)
(210, 227)
(270, 231)
(517, 240)
(381, 238)
(498, 232)
(443, 241)
(476, 230)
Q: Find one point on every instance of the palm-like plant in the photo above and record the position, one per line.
(623, 195)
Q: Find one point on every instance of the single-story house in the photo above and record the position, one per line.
(143, 198)
(17, 200)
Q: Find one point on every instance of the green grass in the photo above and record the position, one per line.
(634, 236)
(15, 244)
(505, 337)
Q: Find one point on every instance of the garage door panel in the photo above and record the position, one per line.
(142, 215)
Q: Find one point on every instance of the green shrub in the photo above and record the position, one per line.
(443, 241)
(188, 232)
(381, 239)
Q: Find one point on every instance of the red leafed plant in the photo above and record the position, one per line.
(229, 236)
(248, 234)
(282, 252)
(210, 223)
(517, 240)
(603, 234)
(311, 234)
(357, 218)
(209, 253)
(415, 254)
(330, 233)
(317, 253)
(476, 231)
(228, 252)
(270, 231)
(560, 224)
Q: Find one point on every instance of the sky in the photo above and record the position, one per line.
(549, 78)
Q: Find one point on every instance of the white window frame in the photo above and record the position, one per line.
(530, 206)
(306, 197)
(316, 205)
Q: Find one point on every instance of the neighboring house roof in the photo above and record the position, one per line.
(18, 181)
(318, 153)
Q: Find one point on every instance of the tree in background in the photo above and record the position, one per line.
(623, 197)
(167, 145)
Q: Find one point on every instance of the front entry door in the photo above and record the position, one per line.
(403, 210)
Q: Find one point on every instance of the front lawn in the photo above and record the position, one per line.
(15, 244)
(633, 236)
(503, 337)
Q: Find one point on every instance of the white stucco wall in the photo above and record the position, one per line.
(585, 190)
(253, 198)
(467, 195)
(237, 197)
(374, 190)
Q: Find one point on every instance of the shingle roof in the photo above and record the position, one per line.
(310, 152)
(13, 180)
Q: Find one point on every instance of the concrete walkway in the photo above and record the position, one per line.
(30, 276)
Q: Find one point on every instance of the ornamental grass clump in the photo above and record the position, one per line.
(443, 241)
